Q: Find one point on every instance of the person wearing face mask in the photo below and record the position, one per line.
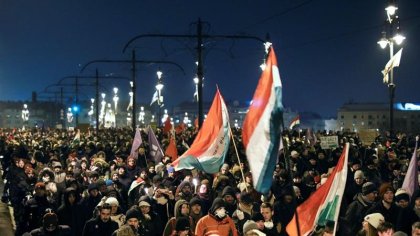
(270, 228)
(216, 222)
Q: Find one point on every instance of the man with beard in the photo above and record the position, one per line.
(216, 222)
(195, 211)
(101, 225)
(184, 191)
(182, 209)
(132, 225)
(229, 196)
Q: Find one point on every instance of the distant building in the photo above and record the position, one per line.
(358, 116)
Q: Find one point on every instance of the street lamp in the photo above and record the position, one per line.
(69, 115)
(141, 115)
(391, 35)
(159, 86)
(25, 114)
(115, 99)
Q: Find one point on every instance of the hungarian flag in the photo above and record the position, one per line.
(171, 150)
(136, 144)
(324, 204)
(155, 151)
(262, 126)
(208, 151)
(294, 122)
(411, 182)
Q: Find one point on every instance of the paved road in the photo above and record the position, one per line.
(6, 228)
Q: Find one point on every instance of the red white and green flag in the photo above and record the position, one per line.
(208, 151)
(324, 204)
(262, 126)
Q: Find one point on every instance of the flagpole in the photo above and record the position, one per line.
(289, 169)
(237, 155)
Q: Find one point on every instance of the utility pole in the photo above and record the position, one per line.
(199, 36)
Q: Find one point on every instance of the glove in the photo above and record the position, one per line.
(240, 214)
(147, 217)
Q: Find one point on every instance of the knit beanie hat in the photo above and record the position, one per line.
(368, 187)
(50, 219)
(132, 213)
(385, 187)
(401, 194)
(359, 174)
(251, 226)
(112, 201)
(375, 219)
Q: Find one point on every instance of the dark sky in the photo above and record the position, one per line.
(326, 50)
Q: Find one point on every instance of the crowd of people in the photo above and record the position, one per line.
(90, 185)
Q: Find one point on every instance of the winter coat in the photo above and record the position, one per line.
(96, 226)
(210, 225)
(71, 214)
(352, 221)
(62, 230)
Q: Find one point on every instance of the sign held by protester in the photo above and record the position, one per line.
(329, 142)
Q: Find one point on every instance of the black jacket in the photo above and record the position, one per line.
(96, 226)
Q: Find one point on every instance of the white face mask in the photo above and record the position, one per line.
(269, 224)
(46, 179)
(221, 213)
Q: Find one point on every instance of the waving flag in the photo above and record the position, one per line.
(136, 144)
(208, 151)
(324, 204)
(167, 126)
(411, 182)
(295, 121)
(155, 151)
(393, 62)
(262, 126)
(171, 150)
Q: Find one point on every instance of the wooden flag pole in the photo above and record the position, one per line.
(237, 155)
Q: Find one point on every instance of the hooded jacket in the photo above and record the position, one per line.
(212, 225)
(70, 214)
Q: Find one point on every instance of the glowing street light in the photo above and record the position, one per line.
(391, 35)
(115, 99)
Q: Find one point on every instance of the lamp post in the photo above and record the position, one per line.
(159, 86)
(25, 114)
(141, 115)
(390, 36)
(200, 37)
(133, 82)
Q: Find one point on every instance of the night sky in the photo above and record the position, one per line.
(326, 50)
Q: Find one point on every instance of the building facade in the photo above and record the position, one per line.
(361, 116)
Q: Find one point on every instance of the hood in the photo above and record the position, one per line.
(217, 203)
(67, 192)
(228, 190)
(177, 208)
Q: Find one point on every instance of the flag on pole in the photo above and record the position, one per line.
(393, 62)
(136, 144)
(171, 150)
(155, 151)
(262, 126)
(411, 182)
(208, 151)
(154, 98)
(167, 126)
(294, 122)
(324, 204)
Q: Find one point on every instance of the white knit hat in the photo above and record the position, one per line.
(112, 201)
(375, 219)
